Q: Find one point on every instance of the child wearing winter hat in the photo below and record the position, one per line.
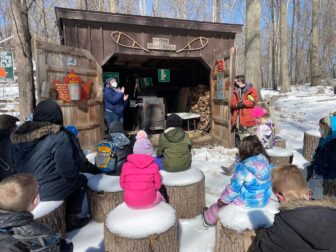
(140, 178)
(264, 128)
(174, 146)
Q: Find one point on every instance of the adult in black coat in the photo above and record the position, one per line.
(7, 125)
(43, 148)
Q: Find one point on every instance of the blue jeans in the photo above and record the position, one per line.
(110, 116)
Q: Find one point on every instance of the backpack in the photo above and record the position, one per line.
(106, 158)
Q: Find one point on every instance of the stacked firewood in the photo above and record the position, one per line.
(199, 103)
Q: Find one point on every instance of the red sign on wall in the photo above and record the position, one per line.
(220, 65)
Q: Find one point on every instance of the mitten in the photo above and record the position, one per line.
(240, 105)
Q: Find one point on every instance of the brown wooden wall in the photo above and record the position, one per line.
(96, 38)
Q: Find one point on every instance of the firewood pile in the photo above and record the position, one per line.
(199, 103)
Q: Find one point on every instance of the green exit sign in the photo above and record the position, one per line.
(163, 75)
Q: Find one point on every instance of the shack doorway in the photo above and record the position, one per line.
(161, 79)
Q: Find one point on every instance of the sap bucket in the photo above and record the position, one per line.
(75, 92)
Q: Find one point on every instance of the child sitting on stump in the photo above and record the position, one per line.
(140, 178)
(174, 148)
(251, 181)
(302, 224)
(18, 229)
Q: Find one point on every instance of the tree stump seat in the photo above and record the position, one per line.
(153, 229)
(104, 194)
(239, 228)
(280, 156)
(53, 214)
(229, 240)
(311, 139)
(280, 142)
(186, 192)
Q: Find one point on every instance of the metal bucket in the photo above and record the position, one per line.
(75, 92)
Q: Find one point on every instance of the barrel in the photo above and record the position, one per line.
(88, 117)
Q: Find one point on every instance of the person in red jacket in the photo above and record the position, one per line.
(243, 100)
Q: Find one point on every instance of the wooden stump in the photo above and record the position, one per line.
(101, 203)
(310, 142)
(56, 220)
(188, 200)
(164, 242)
(329, 188)
(229, 240)
(280, 142)
(280, 156)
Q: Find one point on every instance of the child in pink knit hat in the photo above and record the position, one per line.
(140, 177)
(264, 128)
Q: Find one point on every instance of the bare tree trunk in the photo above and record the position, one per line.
(292, 45)
(23, 57)
(216, 10)
(252, 42)
(297, 46)
(182, 9)
(142, 5)
(82, 4)
(114, 6)
(155, 8)
(315, 71)
(274, 82)
(284, 75)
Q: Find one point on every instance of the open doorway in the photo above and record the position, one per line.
(160, 78)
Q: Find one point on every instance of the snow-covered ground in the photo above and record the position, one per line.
(296, 112)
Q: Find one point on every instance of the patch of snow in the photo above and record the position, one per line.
(313, 133)
(279, 152)
(104, 183)
(140, 223)
(182, 178)
(91, 157)
(240, 218)
(45, 207)
(89, 238)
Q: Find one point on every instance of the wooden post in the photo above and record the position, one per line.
(165, 242)
(310, 142)
(280, 156)
(101, 203)
(188, 200)
(229, 240)
(56, 220)
(280, 142)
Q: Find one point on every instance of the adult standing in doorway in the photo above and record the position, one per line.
(115, 101)
(243, 100)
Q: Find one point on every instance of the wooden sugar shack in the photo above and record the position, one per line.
(170, 59)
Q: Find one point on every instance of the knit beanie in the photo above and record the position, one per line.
(173, 121)
(8, 121)
(116, 127)
(48, 111)
(258, 112)
(326, 121)
(142, 145)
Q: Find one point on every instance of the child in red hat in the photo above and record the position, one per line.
(264, 128)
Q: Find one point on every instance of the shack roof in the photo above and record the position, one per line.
(137, 20)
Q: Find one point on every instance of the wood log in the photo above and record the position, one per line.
(56, 220)
(310, 142)
(229, 240)
(164, 242)
(188, 200)
(280, 156)
(280, 142)
(101, 203)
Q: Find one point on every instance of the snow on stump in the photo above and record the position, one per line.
(239, 228)
(280, 156)
(53, 214)
(104, 194)
(311, 139)
(154, 229)
(186, 192)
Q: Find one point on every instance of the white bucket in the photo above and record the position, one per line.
(75, 92)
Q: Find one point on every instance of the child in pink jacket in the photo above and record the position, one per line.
(140, 177)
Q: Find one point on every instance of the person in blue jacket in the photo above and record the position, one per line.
(115, 101)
